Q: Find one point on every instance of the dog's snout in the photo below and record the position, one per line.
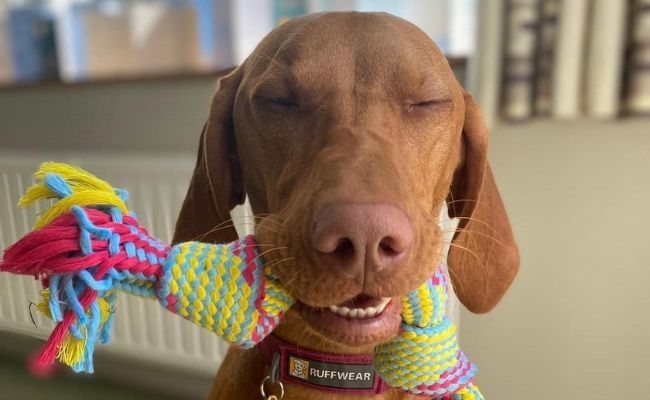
(359, 240)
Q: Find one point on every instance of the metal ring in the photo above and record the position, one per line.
(263, 392)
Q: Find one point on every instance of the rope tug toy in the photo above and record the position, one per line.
(87, 246)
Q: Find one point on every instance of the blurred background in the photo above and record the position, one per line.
(123, 87)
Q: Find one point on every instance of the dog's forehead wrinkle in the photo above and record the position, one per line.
(366, 45)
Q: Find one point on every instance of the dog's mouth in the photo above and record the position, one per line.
(361, 307)
(359, 321)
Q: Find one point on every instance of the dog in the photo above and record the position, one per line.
(348, 132)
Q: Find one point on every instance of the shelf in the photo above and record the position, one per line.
(458, 64)
(171, 77)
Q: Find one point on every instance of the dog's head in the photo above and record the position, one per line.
(348, 132)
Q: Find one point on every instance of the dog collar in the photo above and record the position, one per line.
(337, 373)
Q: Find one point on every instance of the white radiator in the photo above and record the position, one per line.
(143, 329)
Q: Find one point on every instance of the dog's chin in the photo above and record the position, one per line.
(360, 322)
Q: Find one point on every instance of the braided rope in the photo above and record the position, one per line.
(223, 288)
(425, 357)
(84, 254)
(87, 246)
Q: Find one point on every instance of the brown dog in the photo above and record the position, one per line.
(348, 131)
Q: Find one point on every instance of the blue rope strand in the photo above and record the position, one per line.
(57, 184)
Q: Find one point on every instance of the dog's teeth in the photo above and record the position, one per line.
(368, 312)
(382, 305)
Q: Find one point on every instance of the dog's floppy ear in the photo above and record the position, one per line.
(483, 259)
(216, 186)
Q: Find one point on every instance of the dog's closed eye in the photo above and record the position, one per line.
(429, 95)
(430, 103)
(277, 95)
(277, 100)
(426, 107)
(283, 103)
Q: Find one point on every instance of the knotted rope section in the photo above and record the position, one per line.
(425, 357)
(84, 254)
(87, 246)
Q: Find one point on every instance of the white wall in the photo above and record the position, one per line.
(150, 116)
(576, 323)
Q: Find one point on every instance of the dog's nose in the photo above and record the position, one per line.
(360, 239)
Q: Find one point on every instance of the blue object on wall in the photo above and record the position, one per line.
(33, 44)
(284, 10)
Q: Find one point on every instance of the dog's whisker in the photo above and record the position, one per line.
(462, 201)
(289, 283)
(277, 220)
(451, 205)
(479, 233)
(242, 220)
(291, 288)
(219, 228)
(279, 262)
(480, 263)
(230, 224)
(265, 252)
(456, 282)
(472, 219)
(328, 344)
(305, 335)
(470, 238)
(256, 244)
(474, 254)
(319, 341)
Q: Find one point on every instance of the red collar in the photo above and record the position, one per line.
(338, 373)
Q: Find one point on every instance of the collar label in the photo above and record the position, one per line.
(334, 375)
